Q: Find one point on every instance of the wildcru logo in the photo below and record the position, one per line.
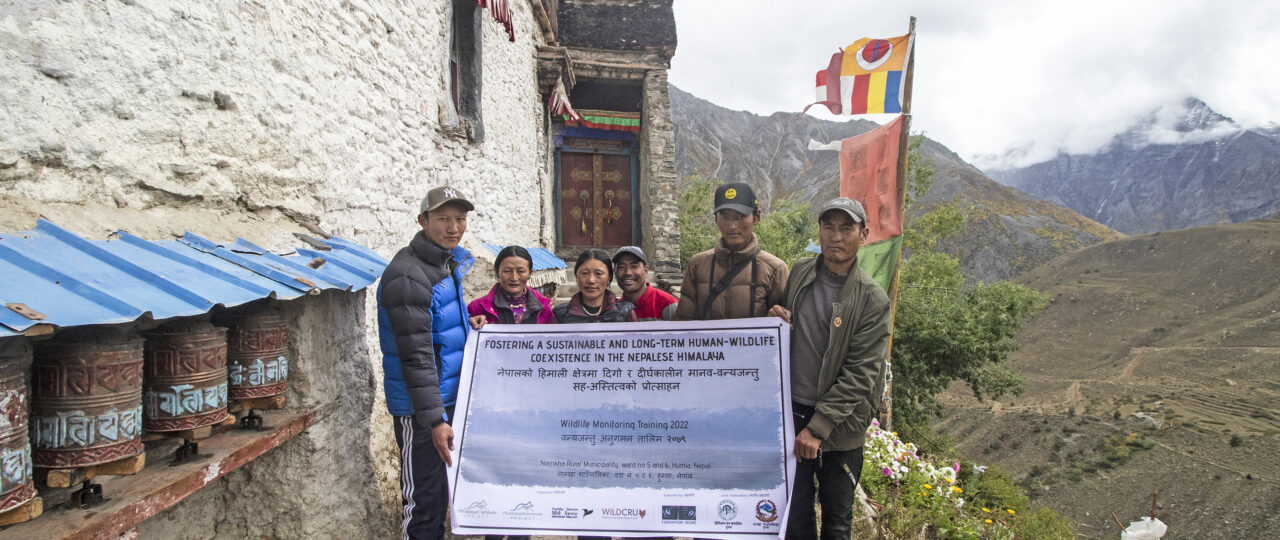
(679, 514)
(727, 510)
(622, 513)
(523, 511)
(478, 508)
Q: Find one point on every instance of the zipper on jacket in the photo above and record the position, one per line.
(457, 291)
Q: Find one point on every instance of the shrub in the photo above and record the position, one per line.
(1042, 523)
(995, 489)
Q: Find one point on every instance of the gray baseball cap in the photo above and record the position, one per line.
(444, 194)
(848, 206)
(633, 251)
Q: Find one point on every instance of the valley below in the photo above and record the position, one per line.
(1154, 367)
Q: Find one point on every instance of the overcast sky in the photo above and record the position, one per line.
(998, 80)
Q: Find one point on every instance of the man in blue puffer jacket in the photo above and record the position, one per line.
(422, 326)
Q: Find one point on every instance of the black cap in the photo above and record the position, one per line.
(736, 196)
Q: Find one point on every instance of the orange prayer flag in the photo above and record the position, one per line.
(869, 174)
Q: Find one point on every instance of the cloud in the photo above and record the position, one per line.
(1000, 81)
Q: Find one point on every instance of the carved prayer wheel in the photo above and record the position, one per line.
(257, 365)
(16, 487)
(86, 405)
(186, 376)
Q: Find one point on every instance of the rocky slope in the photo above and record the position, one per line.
(1153, 367)
(1009, 232)
(1183, 166)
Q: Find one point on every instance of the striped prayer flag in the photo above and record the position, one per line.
(607, 120)
(867, 77)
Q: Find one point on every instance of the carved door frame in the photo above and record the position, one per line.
(575, 141)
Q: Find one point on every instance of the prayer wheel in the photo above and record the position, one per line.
(257, 365)
(185, 383)
(86, 405)
(16, 487)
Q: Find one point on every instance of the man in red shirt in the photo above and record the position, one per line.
(632, 269)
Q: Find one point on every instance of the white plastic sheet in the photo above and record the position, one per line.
(1144, 529)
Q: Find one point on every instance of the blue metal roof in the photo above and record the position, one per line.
(813, 247)
(543, 259)
(73, 281)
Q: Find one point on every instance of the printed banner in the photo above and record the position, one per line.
(625, 429)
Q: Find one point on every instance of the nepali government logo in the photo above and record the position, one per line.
(679, 514)
(766, 511)
(727, 510)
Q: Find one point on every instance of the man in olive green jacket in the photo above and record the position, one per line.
(839, 339)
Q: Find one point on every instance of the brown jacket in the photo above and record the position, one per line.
(736, 301)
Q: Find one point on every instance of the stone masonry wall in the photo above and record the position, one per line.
(661, 231)
(246, 118)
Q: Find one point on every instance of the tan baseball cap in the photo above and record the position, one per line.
(442, 195)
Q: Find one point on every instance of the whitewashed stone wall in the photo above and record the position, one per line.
(247, 117)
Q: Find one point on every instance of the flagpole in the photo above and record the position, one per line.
(886, 407)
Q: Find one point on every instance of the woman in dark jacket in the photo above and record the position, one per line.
(511, 301)
(594, 302)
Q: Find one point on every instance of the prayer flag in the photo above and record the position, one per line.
(607, 120)
(867, 77)
(880, 260)
(869, 175)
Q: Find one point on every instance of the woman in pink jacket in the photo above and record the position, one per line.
(511, 301)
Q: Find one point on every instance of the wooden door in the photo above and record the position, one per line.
(595, 200)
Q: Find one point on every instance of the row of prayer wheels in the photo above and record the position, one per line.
(94, 390)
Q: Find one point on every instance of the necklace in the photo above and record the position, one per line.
(514, 302)
(587, 309)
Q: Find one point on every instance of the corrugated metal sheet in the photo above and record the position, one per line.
(73, 281)
(813, 247)
(543, 259)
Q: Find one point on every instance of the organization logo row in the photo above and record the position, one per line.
(727, 511)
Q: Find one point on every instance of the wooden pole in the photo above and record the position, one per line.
(886, 407)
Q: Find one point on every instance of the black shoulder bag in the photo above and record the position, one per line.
(720, 286)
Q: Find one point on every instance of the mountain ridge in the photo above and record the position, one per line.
(1181, 166)
(1009, 231)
